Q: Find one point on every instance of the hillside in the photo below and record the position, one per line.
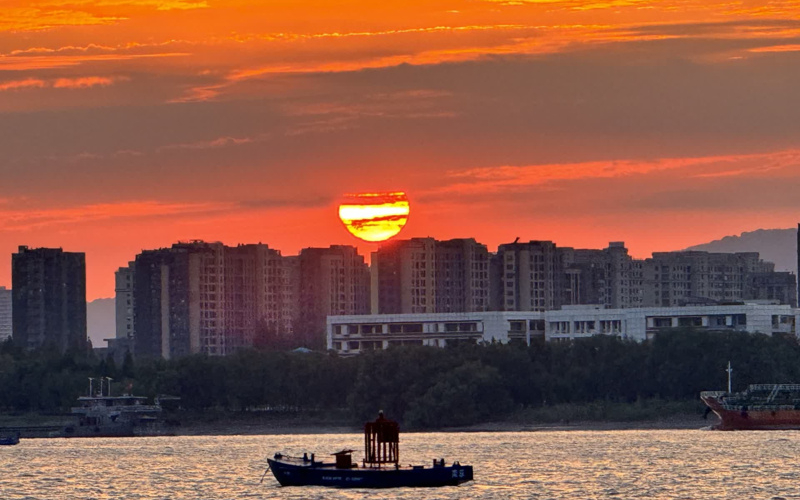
(100, 321)
(775, 245)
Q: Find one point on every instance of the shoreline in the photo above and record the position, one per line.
(255, 425)
(675, 422)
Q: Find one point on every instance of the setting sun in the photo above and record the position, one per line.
(374, 216)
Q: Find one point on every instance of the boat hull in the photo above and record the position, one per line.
(117, 429)
(746, 418)
(306, 474)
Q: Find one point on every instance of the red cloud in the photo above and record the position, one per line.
(83, 82)
(22, 84)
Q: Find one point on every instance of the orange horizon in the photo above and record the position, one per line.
(136, 123)
(101, 263)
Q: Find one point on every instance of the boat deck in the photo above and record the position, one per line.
(294, 471)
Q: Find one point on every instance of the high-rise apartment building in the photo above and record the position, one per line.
(5, 313)
(780, 287)
(258, 294)
(461, 276)
(49, 298)
(529, 277)
(123, 302)
(242, 291)
(406, 276)
(609, 277)
(538, 276)
(797, 295)
(423, 275)
(178, 301)
(209, 298)
(158, 329)
(333, 281)
(123, 342)
(680, 278)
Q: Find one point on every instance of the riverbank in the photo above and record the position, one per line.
(253, 423)
(280, 428)
(674, 422)
(654, 414)
(595, 416)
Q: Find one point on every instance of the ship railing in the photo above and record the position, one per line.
(774, 393)
(122, 409)
(740, 407)
(712, 394)
(306, 459)
(141, 408)
(774, 387)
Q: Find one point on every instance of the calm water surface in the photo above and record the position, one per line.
(680, 464)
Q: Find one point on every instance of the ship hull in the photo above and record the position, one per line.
(745, 418)
(292, 474)
(72, 431)
(9, 441)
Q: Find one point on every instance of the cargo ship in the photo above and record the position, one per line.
(760, 407)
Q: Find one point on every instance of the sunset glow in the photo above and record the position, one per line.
(131, 124)
(374, 216)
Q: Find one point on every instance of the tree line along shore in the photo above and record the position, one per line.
(601, 378)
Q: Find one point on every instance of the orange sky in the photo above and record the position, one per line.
(131, 124)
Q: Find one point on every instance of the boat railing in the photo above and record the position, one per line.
(122, 409)
(305, 459)
(773, 393)
(712, 394)
(739, 407)
(774, 387)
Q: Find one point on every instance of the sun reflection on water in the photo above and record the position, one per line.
(680, 464)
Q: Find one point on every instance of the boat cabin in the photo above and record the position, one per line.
(344, 459)
(381, 442)
(381, 445)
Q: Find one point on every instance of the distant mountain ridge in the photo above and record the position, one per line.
(774, 245)
(101, 321)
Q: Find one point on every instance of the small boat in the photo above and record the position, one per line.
(9, 440)
(380, 468)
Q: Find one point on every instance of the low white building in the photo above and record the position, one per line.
(354, 334)
(639, 324)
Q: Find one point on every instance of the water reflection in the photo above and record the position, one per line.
(553, 465)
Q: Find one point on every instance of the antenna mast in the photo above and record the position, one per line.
(729, 370)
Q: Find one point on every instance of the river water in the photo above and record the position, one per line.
(674, 464)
